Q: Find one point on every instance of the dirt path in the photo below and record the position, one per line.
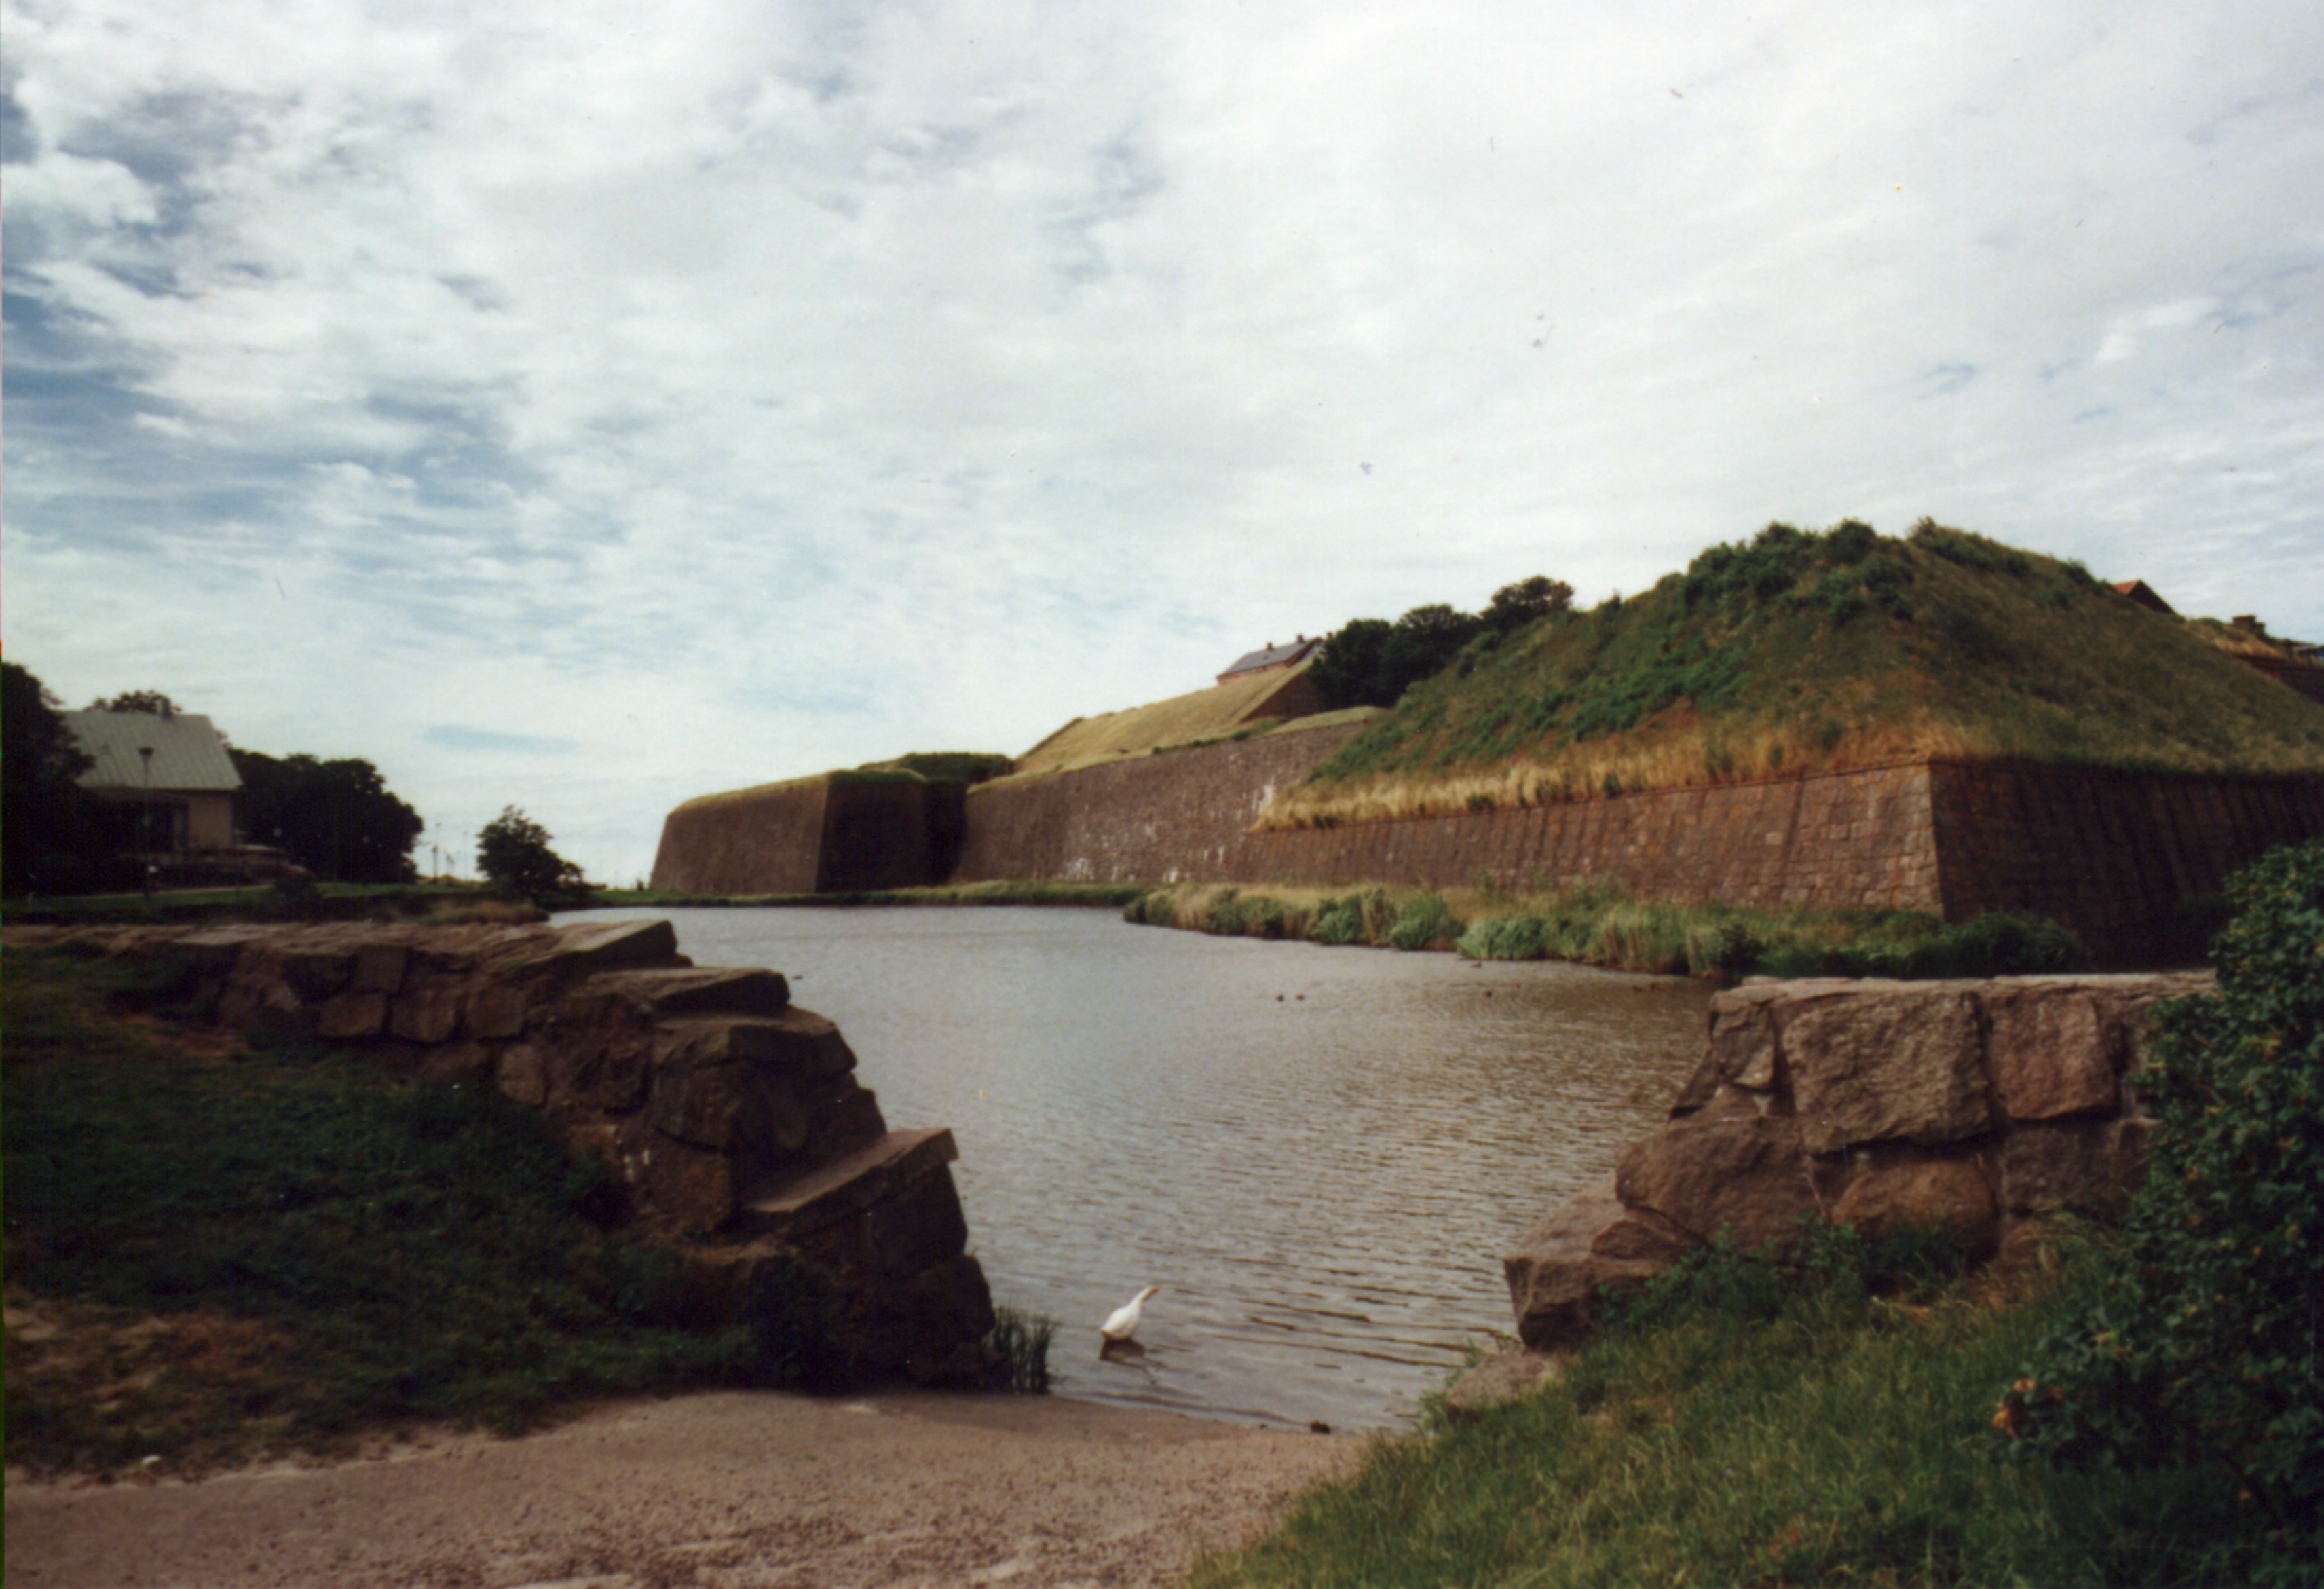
(727, 1490)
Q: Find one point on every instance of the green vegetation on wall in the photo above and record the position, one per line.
(1798, 650)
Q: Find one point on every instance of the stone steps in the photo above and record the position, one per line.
(871, 1174)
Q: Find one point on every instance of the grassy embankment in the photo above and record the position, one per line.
(1798, 652)
(215, 1252)
(1597, 923)
(441, 904)
(1824, 1422)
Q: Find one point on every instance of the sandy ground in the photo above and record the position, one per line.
(727, 1490)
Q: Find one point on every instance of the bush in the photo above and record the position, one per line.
(2201, 1345)
(1998, 944)
(1340, 921)
(1424, 923)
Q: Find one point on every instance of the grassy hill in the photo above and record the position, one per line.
(1249, 705)
(1798, 650)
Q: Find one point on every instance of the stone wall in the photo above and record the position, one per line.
(1827, 839)
(1154, 818)
(823, 834)
(2115, 855)
(1986, 1108)
(732, 1119)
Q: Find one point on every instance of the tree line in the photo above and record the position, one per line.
(1371, 662)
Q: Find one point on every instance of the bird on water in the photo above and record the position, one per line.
(1124, 1322)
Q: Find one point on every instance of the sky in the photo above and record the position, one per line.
(587, 407)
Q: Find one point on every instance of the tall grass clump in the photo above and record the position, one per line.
(1424, 923)
(1021, 1341)
(2198, 1351)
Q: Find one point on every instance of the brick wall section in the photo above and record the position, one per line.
(2112, 854)
(1177, 814)
(767, 842)
(1831, 839)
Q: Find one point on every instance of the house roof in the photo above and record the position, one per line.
(2141, 592)
(1271, 656)
(189, 753)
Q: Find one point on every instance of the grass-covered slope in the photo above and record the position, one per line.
(1223, 709)
(1799, 651)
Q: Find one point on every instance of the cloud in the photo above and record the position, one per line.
(784, 387)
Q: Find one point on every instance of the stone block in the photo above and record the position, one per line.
(920, 1227)
(317, 972)
(379, 968)
(519, 1076)
(846, 1186)
(495, 1011)
(281, 1016)
(796, 1041)
(685, 1190)
(602, 945)
(2086, 1167)
(1915, 1190)
(1885, 1060)
(349, 1016)
(2054, 1052)
(931, 1325)
(1502, 1378)
(1588, 1243)
(705, 1105)
(429, 1013)
(697, 990)
(1747, 1174)
(465, 1060)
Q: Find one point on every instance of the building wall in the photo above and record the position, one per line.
(766, 841)
(1154, 818)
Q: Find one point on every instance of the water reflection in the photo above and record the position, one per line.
(1320, 1154)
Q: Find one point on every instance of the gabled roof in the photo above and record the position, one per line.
(2141, 592)
(1271, 656)
(189, 753)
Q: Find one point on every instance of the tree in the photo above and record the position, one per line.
(149, 701)
(1346, 672)
(335, 818)
(512, 852)
(1516, 606)
(1419, 645)
(49, 836)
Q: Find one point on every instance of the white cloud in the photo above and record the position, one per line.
(757, 389)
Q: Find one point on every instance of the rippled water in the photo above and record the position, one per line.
(1320, 1154)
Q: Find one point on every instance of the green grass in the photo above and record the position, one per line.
(1596, 922)
(215, 1252)
(1792, 1427)
(1797, 651)
(338, 901)
(1023, 1341)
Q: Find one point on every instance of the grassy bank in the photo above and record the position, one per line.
(1755, 1424)
(1110, 894)
(444, 904)
(1796, 652)
(1597, 923)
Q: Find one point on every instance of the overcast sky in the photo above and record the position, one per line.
(589, 406)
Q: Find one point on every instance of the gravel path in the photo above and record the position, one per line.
(727, 1490)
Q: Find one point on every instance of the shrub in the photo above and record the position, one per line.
(1340, 921)
(1505, 937)
(1424, 923)
(2201, 1345)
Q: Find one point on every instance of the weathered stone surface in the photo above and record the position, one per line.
(1747, 1174)
(931, 1325)
(710, 1105)
(1915, 1191)
(460, 1061)
(519, 1075)
(1888, 1060)
(317, 971)
(848, 1185)
(350, 1015)
(1589, 1243)
(1502, 1378)
(280, 1016)
(379, 968)
(495, 1011)
(2086, 1167)
(2052, 1052)
(920, 1227)
(1743, 1042)
(427, 1013)
(684, 1190)
(797, 1040)
(698, 991)
(596, 946)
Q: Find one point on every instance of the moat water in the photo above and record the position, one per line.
(1320, 1154)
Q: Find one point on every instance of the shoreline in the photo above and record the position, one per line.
(899, 1487)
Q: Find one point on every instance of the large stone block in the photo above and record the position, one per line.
(2054, 1051)
(685, 1190)
(920, 1226)
(1911, 1190)
(429, 1012)
(2086, 1167)
(519, 1076)
(697, 990)
(796, 1041)
(379, 968)
(495, 1011)
(1744, 1173)
(348, 1016)
(1588, 1243)
(932, 1325)
(597, 945)
(1890, 1061)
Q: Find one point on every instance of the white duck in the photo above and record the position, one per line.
(1124, 1323)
